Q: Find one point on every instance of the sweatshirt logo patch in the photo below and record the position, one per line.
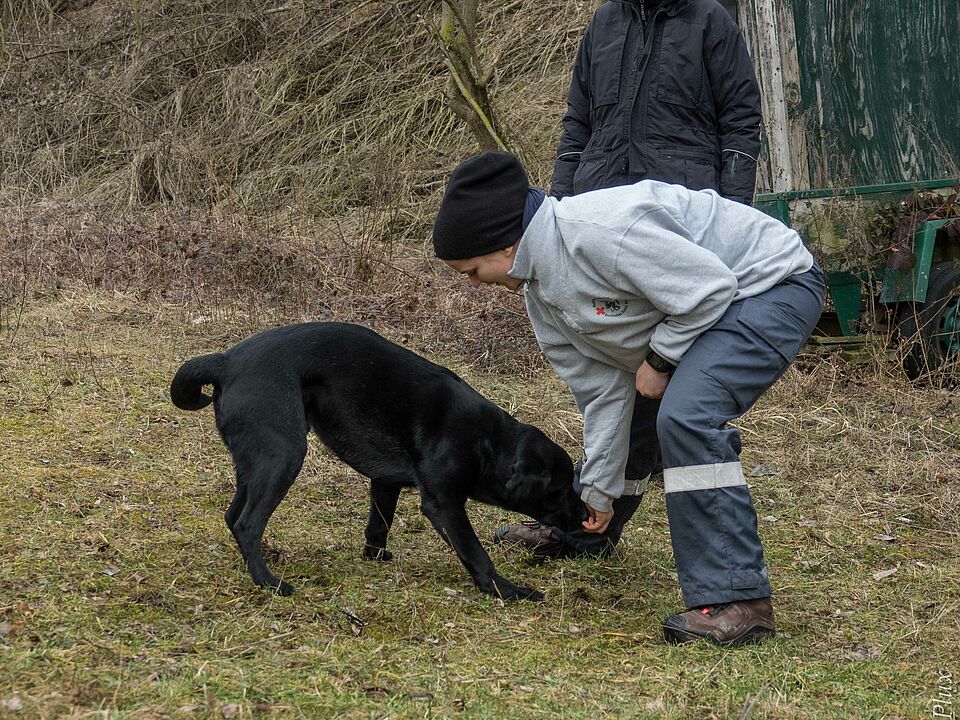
(608, 307)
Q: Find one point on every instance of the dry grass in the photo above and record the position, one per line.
(276, 157)
(175, 175)
(223, 270)
(314, 107)
(122, 595)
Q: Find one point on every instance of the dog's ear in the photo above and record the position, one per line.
(529, 472)
(518, 474)
(527, 481)
(514, 481)
(515, 474)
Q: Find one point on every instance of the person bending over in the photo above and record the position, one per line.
(681, 296)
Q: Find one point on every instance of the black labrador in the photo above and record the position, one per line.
(392, 416)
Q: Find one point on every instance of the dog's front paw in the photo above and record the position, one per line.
(280, 588)
(506, 590)
(377, 553)
(525, 593)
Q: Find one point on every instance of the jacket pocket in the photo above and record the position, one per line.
(681, 64)
(700, 174)
(694, 169)
(590, 172)
(605, 59)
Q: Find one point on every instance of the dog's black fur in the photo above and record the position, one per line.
(389, 414)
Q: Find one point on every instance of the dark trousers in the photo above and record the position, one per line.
(642, 461)
(713, 524)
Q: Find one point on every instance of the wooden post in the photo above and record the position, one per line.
(769, 62)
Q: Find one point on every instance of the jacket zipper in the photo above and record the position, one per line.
(645, 59)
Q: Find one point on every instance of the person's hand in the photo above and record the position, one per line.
(598, 520)
(650, 383)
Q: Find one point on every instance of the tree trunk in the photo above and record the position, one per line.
(467, 93)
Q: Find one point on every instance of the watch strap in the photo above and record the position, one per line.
(660, 364)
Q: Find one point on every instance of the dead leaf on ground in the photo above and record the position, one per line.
(880, 575)
(13, 704)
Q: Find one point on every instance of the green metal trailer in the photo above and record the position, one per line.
(921, 305)
(859, 106)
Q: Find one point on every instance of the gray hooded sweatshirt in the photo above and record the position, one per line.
(612, 273)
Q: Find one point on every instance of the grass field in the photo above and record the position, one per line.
(122, 594)
(177, 175)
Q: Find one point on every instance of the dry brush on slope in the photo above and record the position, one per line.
(256, 106)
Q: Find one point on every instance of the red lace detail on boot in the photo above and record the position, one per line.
(712, 610)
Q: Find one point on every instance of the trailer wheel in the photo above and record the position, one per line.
(931, 331)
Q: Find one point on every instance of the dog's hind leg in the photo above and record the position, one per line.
(451, 521)
(383, 505)
(263, 479)
(236, 505)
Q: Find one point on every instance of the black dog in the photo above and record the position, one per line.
(390, 415)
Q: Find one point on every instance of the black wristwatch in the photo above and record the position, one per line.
(660, 364)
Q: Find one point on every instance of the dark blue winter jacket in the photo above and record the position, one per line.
(679, 103)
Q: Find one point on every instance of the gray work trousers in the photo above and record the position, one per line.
(713, 524)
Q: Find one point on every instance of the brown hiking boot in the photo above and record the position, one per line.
(533, 535)
(729, 624)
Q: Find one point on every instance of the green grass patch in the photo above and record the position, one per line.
(122, 594)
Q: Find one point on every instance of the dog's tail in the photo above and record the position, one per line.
(186, 390)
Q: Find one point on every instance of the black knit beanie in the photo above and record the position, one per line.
(482, 208)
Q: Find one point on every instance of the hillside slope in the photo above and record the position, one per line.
(251, 106)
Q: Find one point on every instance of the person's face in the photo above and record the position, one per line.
(490, 269)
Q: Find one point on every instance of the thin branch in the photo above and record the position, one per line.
(468, 31)
(481, 115)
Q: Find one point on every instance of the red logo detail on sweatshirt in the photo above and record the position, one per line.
(608, 307)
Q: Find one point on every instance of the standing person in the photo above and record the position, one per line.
(666, 292)
(662, 90)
